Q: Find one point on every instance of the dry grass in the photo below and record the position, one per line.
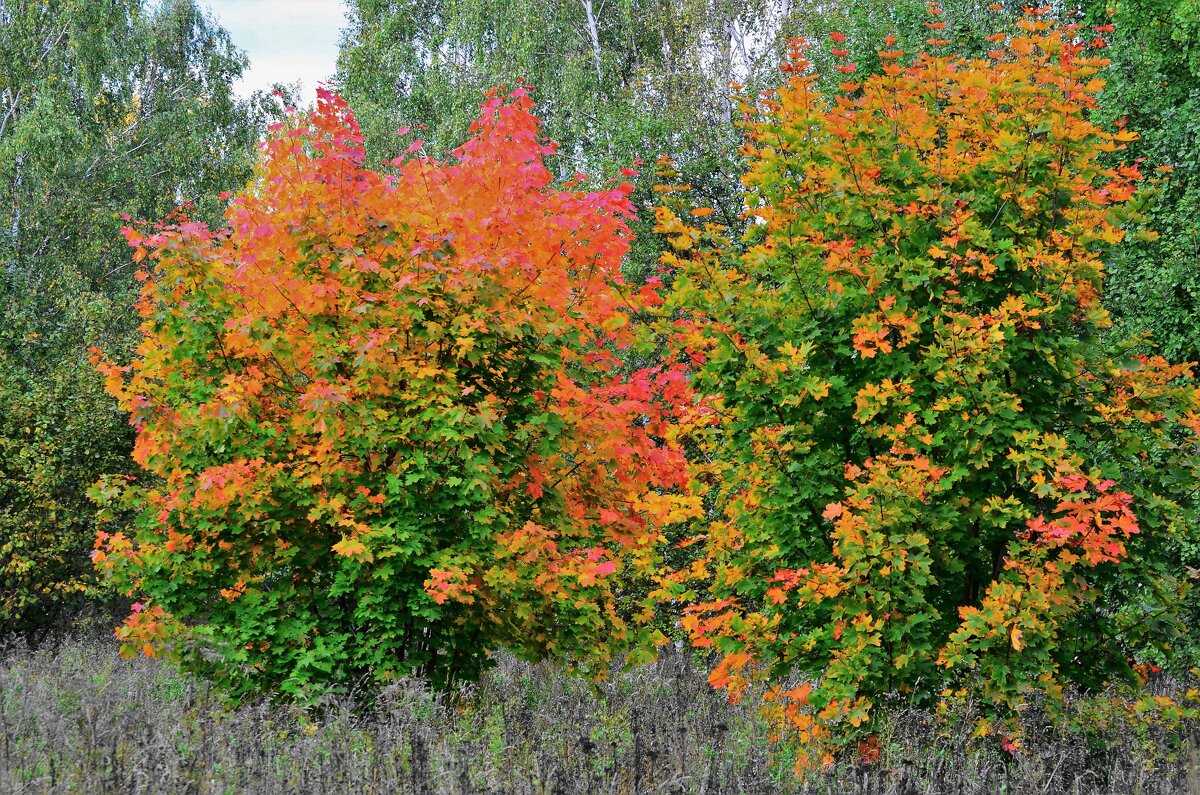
(77, 718)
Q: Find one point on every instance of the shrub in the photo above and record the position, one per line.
(383, 420)
(928, 469)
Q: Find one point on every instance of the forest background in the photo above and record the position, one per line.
(109, 110)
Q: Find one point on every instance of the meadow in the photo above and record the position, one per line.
(77, 718)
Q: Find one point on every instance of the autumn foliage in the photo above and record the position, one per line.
(391, 420)
(383, 419)
(929, 469)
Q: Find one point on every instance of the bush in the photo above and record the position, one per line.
(930, 470)
(383, 420)
(58, 431)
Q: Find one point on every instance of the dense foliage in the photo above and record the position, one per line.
(930, 468)
(385, 415)
(884, 418)
(1154, 85)
(105, 108)
(614, 82)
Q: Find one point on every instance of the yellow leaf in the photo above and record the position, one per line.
(354, 549)
(615, 322)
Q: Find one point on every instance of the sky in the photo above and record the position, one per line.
(287, 40)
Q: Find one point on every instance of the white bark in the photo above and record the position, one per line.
(16, 219)
(738, 37)
(594, 34)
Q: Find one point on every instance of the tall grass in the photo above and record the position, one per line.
(74, 717)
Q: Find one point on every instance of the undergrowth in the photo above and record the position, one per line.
(75, 717)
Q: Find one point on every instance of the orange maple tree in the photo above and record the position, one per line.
(383, 419)
(928, 467)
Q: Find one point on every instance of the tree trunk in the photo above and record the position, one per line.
(594, 34)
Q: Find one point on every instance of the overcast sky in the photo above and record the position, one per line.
(287, 40)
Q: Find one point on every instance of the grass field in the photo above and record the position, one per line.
(75, 717)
